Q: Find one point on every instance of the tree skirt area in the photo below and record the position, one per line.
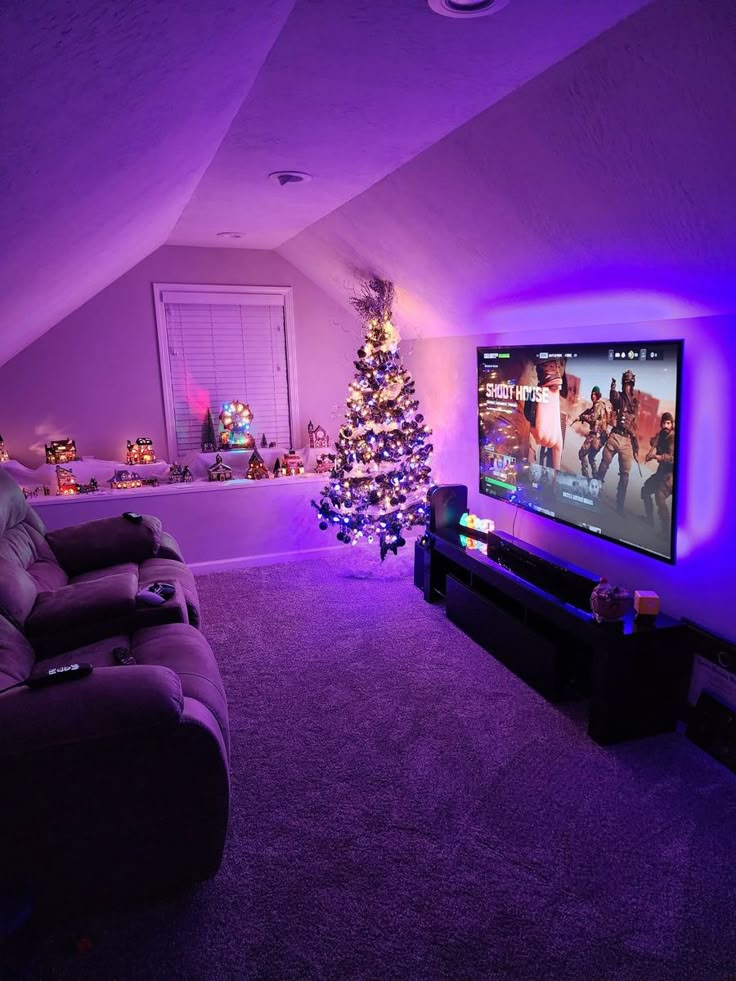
(404, 807)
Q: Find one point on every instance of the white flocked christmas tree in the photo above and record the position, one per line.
(378, 485)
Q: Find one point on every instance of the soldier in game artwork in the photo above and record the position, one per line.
(659, 485)
(597, 418)
(622, 439)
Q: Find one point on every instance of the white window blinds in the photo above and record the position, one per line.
(221, 347)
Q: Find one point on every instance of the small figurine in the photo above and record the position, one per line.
(236, 418)
(219, 471)
(3, 452)
(140, 452)
(325, 463)
(264, 441)
(66, 482)
(61, 451)
(609, 603)
(124, 479)
(318, 438)
(209, 437)
(291, 464)
(180, 475)
(257, 469)
(89, 488)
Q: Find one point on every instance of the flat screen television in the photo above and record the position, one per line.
(585, 434)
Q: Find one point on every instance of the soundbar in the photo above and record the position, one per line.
(567, 582)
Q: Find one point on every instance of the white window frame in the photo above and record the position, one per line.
(238, 292)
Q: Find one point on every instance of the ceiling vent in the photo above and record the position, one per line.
(230, 234)
(284, 177)
(467, 8)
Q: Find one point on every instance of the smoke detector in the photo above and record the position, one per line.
(467, 8)
(284, 177)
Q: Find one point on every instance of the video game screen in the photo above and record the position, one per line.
(585, 434)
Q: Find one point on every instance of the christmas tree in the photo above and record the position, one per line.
(209, 437)
(378, 484)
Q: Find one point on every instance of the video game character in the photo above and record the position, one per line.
(661, 482)
(596, 417)
(622, 439)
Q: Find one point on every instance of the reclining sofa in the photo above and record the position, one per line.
(114, 785)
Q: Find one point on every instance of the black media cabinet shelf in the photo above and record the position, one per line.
(635, 673)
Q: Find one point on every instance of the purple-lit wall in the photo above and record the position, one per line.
(700, 584)
(95, 375)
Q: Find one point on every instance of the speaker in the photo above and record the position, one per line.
(447, 504)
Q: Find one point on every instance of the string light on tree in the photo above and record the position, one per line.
(378, 484)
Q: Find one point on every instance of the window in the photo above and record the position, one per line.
(220, 343)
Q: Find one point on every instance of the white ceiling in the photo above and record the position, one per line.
(127, 126)
(352, 91)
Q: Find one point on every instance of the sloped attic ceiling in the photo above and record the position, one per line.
(110, 114)
(600, 192)
(117, 121)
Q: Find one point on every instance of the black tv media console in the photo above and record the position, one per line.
(531, 612)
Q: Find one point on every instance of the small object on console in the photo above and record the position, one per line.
(646, 603)
(133, 516)
(609, 603)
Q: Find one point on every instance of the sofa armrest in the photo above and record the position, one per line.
(107, 541)
(169, 548)
(110, 703)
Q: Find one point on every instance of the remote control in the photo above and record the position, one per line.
(123, 656)
(55, 676)
(133, 516)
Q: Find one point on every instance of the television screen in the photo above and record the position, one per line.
(585, 434)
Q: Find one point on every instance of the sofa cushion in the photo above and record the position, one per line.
(16, 655)
(99, 653)
(17, 592)
(81, 613)
(109, 703)
(109, 570)
(47, 574)
(184, 650)
(105, 542)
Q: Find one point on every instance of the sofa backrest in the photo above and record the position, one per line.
(27, 564)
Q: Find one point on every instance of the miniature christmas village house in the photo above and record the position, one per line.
(257, 469)
(3, 452)
(180, 475)
(325, 463)
(61, 451)
(140, 452)
(291, 464)
(124, 479)
(219, 471)
(318, 438)
(66, 482)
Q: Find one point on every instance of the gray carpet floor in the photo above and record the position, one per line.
(405, 807)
